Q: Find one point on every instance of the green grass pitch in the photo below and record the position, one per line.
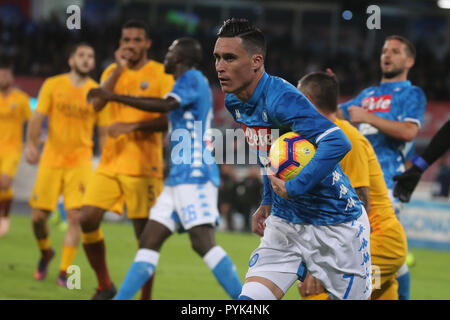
(180, 275)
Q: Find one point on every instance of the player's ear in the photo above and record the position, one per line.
(257, 61)
(410, 63)
(148, 44)
(70, 61)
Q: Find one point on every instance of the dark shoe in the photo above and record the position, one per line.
(105, 294)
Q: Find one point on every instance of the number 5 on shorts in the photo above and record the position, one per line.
(345, 276)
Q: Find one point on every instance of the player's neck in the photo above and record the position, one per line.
(77, 79)
(247, 92)
(139, 64)
(179, 70)
(401, 77)
(330, 116)
(5, 92)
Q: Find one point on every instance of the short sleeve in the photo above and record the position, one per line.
(415, 103)
(103, 117)
(356, 163)
(353, 102)
(185, 90)
(167, 82)
(26, 109)
(107, 72)
(44, 99)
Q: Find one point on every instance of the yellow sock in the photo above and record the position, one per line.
(44, 244)
(68, 255)
(92, 237)
(6, 194)
(320, 296)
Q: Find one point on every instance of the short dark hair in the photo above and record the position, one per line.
(191, 51)
(252, 38)
(410, 49)
(75, 47)
(323, 89)
(138, 24)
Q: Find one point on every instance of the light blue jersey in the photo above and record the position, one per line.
(187, 127)
(396, 101)
(321, 193)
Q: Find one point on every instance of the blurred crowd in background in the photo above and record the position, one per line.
(300, 40)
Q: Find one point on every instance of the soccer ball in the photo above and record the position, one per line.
(289, 155)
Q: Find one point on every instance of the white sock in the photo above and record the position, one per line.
(214, 256)
(147, 255)
(257, 291)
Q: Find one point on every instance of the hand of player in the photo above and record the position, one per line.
(31, 153)
(122, 56)
(358, 114)
(311, 286)
(118, 128)
(258, 219)
(331, 72)
(406, 183)
(278, 185)
(101, 93)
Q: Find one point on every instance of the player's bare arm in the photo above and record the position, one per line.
(311, 286)
(141, 103)
(259, 217)
(33, 138)
(405, 131)
(154, 125)
(363, 194)
(122, 56)
(102, 134)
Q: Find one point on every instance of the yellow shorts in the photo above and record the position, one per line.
(9, 164)
(388, 249)
(52, 182)
(107, 190)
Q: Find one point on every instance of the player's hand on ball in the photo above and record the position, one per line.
(406, 183)
(31, 154)
(278, 185)
(259, 218)
(358, 114)
(119, 128)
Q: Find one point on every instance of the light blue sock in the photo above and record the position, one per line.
(62, 211)
(404, 284)
(224, 271)
(140, 271)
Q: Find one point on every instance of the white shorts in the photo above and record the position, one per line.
(337, 255)
(184, 206)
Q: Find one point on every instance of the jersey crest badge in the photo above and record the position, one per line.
(144, 85)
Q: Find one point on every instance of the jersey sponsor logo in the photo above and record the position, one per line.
(377, 104)
(258, 137)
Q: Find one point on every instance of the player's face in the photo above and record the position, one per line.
(234, 65)
(171, 58)
(6, 78)
(134, 40)
(394, 58)
(83, 60)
